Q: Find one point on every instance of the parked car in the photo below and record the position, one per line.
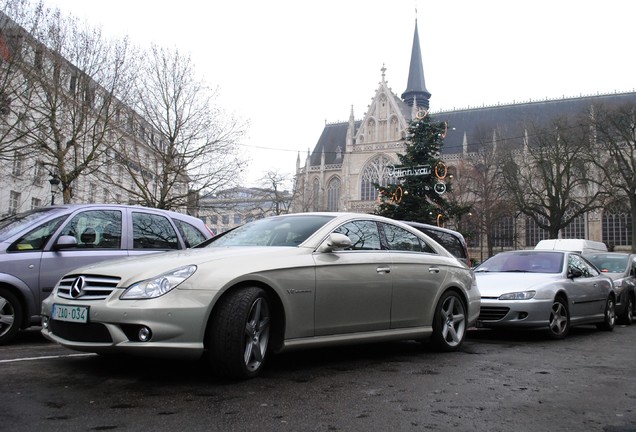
(621, 268)
(275, 284)
(544, 289)
(581, 246)
(39, 246)
(453, 241)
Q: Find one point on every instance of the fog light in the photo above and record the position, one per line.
(45, 322)
(523, 315)
(144, 334)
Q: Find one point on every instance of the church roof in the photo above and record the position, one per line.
(334, 135)
(471, 125)
(478, 124)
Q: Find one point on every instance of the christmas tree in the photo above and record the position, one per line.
(417, 188)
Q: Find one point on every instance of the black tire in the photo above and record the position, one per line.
(559, 325)
(628, 314)
(10, 316)
(609, 315)
(449, 322)
(239, 336)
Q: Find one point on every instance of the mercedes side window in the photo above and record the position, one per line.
(363, 234)
(93, 229)
(399, 239)
(449, 241)
(151, 231)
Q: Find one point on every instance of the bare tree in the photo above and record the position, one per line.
(275, 198)
(549, 179)
(13, 83)
(616, 136)
(191, 146)
(489, 199)
(74, 75)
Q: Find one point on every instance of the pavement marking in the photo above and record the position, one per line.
(46, 357)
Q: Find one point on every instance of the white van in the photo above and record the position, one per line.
(576, 245)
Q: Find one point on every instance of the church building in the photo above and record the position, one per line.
(349, 157)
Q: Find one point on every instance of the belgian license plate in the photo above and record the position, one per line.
(76, 314)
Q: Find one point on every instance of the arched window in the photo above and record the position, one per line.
(576, 228)
(534, 233)
(333, 194)
(374, 172)
(617, 225)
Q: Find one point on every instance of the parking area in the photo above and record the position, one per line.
(498, 381)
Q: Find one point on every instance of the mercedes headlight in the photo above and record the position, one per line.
(158, 286)
(523, 295)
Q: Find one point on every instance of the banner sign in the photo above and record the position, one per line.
(401, 172)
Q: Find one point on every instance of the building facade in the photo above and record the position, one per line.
(54, 114)
(230, 208)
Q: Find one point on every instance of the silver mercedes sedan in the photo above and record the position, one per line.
(544, 289)
(281, 283)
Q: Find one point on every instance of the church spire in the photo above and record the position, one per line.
(415, 88)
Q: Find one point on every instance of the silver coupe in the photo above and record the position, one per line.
(280, 283)
(544, 289)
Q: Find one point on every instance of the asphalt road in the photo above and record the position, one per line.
(498, 382)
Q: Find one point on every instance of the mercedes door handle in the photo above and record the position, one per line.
(383, 269)
(433, 269)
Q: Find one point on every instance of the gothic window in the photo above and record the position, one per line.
(333, 194)
(534, 233)
(576, 228)
(374, 172)
(617, 225)
(503, 232)
(316, 195)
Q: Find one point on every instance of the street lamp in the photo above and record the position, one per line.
(55, 184)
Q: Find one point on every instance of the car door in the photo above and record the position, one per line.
(588, 292)
(98, 236)
(417, 274)
(353, 287)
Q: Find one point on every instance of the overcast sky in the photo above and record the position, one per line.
(288, 66)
